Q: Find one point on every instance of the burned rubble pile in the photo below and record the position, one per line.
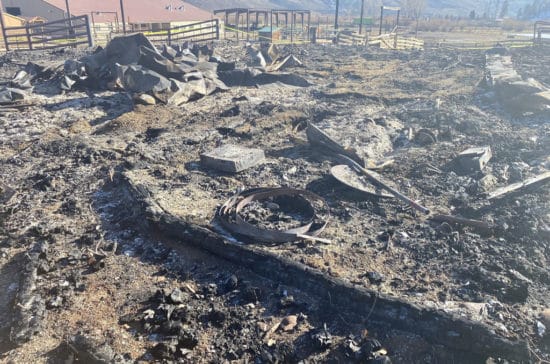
(132, 63)
(198, 204)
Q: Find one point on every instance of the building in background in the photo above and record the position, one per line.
(105, 15)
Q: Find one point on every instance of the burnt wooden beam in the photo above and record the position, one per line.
(436, 326)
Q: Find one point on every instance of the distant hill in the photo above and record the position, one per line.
(351, 7)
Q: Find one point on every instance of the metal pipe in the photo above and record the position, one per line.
(71, 30)
(361, 20)
(336, 14)
(247, 24)
(292, 21)
(381, 19)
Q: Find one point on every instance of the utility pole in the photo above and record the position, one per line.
(336, 14)
(123, 18)
(362, 12)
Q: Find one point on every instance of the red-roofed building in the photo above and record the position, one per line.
(140, 15)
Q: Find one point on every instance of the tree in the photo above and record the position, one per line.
(414, 9)
(504, 9)
(473, 14)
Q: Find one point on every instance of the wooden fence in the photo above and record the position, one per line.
(509, 43)
(60, 33)
(387, 41)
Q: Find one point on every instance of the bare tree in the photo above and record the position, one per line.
(414, 9)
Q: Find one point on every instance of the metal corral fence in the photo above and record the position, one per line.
(60, 33)
(196, 32)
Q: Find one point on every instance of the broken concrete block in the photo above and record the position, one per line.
(474, 159)
(232, 158)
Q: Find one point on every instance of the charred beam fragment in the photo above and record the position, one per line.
(438, 327)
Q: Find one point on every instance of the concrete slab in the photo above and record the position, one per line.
(232, 158)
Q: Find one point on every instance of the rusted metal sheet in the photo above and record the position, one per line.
(347, 176)
(230, 218)
(319, 138)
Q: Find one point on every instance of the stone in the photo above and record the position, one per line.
(487, 183)
(232, 158)
(145, 99)
(177, 296)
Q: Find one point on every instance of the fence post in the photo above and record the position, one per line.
(3, 28)
(169, 36)
(28, 34)
(88, 31)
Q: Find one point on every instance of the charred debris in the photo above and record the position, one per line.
(273, 204)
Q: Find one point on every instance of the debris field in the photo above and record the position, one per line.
(312, 203)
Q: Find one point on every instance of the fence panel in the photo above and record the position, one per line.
(197, 32)
(60, 33)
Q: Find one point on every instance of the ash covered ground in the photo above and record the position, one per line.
(86, 274)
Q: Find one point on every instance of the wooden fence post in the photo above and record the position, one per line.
(28, 34)
(3, 28)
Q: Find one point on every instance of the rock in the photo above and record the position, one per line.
(541, 329)
(55, 302)
(177, 296)
(487, 183)
(145, 99)
(289, 323)
(231, 283)
(375, 277)
(232, 158)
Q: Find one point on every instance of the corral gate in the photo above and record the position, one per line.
(60, 33)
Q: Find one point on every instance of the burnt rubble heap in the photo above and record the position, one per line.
(132, 63)
(269, 204)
